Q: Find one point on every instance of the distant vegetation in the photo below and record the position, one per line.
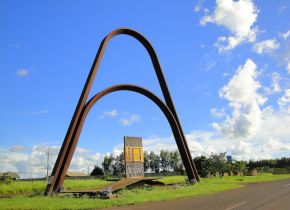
(275, 166)
(214, 165)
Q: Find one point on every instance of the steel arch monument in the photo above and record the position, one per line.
(83, 107)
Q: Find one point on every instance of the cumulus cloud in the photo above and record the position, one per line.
(130, 120)
(244, 99)
(33, 163)
(236, 16)
(253, 130)
(266, 46)
(208, 142)
(22, 73)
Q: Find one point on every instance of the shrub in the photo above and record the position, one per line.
(281, 171)
(7, 179)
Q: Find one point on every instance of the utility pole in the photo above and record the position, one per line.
(47, 164)
(30, 168)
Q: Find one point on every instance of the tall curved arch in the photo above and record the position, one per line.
(65, 155)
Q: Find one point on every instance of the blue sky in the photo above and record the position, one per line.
(227, 64)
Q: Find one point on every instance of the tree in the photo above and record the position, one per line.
(97, 171)
(229, 166)
(251, 165)
(107, 163)
(175, 161)
(217, 163)
(118, 165)
(165, 160)
(202, 165)
(240, 167)
(154, 162)
(146, 161)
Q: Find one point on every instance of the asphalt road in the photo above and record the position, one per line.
(263, 196)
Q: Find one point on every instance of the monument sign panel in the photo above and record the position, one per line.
(134, 157)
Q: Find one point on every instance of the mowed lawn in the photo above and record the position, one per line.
(37, 187)
(28, 195)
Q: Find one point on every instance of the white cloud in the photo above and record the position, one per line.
(81, 150)
(16, 148)
(36, 112)
(130, 120)
(285, 35)
(217, 112)
(22, 73)
(275, 82)
(284, 101)
(283, 55)
(276, 144)
(43, 111)
(275, 85)
(225, 74)
(198, 6)
(241, 92)
(282, 8)
(34, 162)
(272, 142)
(250, 130)
(112, 113)
(236, 16)
(207, 142)
(266, 46)
(156, 143)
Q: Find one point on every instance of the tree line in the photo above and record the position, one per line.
(279, 165)
(170, 161)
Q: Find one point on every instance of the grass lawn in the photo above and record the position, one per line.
(37, 187)
(127, 197)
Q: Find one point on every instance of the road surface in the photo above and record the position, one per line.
(263, 196)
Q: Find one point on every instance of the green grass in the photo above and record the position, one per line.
(134, 196)
(37, 187)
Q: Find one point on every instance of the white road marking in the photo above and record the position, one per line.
(235, 206)
(287, 185)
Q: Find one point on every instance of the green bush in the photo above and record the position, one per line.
(281, 171)
(7, 180)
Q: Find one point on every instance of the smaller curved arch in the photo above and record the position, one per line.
(166, 111)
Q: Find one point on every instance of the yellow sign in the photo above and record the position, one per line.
(134, 154)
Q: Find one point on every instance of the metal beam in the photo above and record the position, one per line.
(62, 162)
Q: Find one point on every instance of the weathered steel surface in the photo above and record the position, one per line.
(133, 156)
(82, 108)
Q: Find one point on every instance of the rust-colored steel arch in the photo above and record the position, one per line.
(168, 114)
(65, 154)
